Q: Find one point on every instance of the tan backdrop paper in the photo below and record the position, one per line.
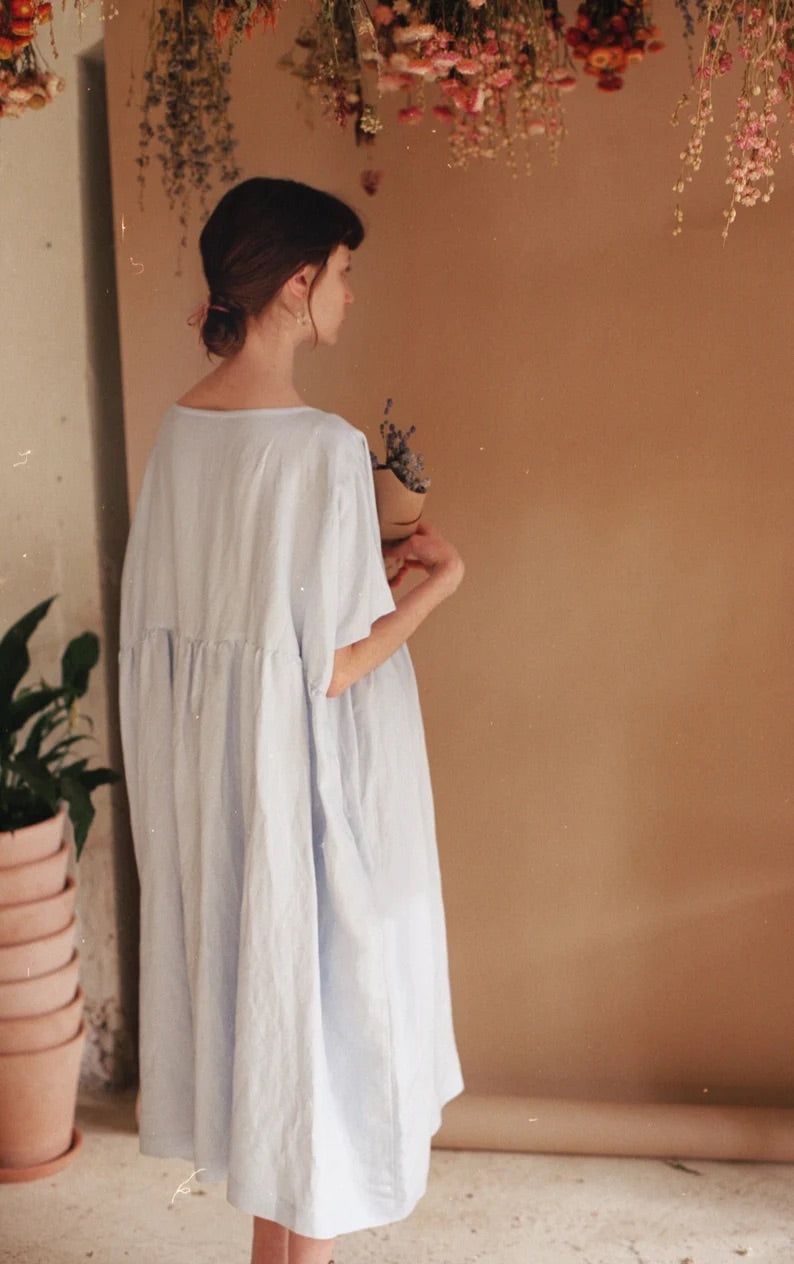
(605, 412)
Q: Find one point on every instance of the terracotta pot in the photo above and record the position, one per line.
(28, 1035)
(38, 1094)
(37, 880)
(39, 956)
(19, 923)
(25, 998)
(34, 842)
(15, 1175)
(399, 509)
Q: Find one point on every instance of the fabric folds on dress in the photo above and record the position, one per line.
(296, 1036)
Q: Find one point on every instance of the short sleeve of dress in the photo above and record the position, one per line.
(350, 589)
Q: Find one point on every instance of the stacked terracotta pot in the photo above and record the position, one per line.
(41, 1004)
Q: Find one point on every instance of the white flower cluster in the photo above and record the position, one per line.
(30, 93)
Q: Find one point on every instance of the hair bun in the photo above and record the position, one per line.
(223, 332)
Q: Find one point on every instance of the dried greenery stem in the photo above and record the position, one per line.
(185, 105)
(328, 58)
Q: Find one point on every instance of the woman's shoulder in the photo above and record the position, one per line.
(309, 434)
(336, 435)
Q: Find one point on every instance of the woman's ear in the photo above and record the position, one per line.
(299, 285)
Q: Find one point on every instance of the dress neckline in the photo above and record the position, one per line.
(241, 412)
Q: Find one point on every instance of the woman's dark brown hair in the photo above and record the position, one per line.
(260, 234)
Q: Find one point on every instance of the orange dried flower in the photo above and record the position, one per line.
(607, 58)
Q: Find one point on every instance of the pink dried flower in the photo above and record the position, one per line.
(400, 62)
(424, 68)
(414, 34)
(53, 84)
(391, 83)
(566, 83)
(503, 78)
(475, 101)
(411, 114)
(370, 181)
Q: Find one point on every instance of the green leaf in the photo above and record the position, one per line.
(37, 777)
(19, 808)
(99, 777)
(81, 809)
(14, 657)
(41, 730)
(29, 703)
(55, 754)
(79, 658)
(74, 770)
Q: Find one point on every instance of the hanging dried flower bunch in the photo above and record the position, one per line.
(234, 18)
(328, 58)
(606, 37)
(759, 39)
(498, 76)
(185, 103)
(25, 82)
(492, 70)
(498, 69)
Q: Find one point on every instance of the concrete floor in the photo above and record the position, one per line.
(111, 1206)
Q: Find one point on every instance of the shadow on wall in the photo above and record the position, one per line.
(114, 1035)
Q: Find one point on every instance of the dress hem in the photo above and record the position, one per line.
(243, 1198)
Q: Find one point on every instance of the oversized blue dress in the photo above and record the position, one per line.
(295, 1028)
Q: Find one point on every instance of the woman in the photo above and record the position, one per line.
(296, 1037)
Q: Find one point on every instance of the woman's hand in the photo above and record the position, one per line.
(427, 550)
(441, 560)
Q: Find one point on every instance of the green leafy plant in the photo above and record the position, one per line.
(39, 737)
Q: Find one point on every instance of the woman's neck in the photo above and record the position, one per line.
(261, 375)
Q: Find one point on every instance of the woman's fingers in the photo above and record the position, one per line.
(425, 550)
(408, 564)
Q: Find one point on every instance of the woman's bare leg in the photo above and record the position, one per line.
(271, 1243)
(310, 1250)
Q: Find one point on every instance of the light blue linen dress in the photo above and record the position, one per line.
(296, 1036)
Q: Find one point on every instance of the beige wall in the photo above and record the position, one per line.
(62, 491)
(606, 413)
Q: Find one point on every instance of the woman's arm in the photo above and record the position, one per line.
(444, 572)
